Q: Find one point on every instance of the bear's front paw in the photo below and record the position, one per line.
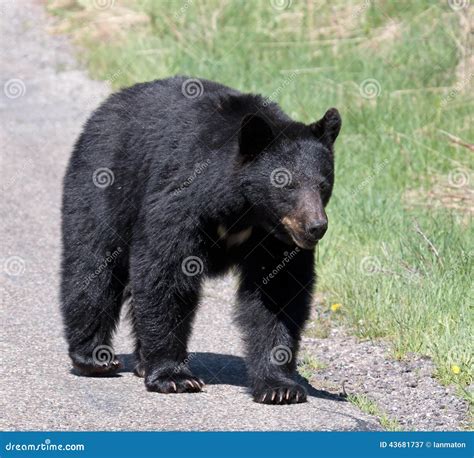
(280, 392)
(173, 383)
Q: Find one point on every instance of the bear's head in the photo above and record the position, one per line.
(287, 175)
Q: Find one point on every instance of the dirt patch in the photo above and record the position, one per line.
(96, 20)
(383, 37)
(465, 67)
(452, 192)
(405, 391)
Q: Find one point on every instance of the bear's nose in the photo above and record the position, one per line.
(317, 228)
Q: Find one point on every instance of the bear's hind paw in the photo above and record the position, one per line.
(93, 369)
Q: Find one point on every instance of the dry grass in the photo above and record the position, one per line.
(85, 22)
(454, 192)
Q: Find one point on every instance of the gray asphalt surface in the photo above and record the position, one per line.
(44, 101)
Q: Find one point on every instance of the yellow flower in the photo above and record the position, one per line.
(455, 369)
(335, 307)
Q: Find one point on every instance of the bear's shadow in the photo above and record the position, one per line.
(219, 369)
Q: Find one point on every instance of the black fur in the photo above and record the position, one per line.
(190, 177)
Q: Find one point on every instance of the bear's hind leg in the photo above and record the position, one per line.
(91, 296)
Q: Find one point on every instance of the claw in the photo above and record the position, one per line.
(190, 383)
(287, 394)
(201, 382)
(273, 395)
(174, 387)
(281, 398)
(297, 396)
(196, 384)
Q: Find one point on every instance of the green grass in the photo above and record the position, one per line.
(308, 365)
(400, 266)
(370, 407)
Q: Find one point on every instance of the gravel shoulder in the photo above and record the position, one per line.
(406, 391)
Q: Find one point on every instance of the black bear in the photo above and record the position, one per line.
(180, 179)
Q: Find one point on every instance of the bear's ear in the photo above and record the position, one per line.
(328, 127)
(254, 136)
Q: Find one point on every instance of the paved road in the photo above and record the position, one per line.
(44, 101)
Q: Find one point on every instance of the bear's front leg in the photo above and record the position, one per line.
(274, 300)
(164, 303)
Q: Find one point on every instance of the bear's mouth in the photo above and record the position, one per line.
(304, 244)
(299, 238)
